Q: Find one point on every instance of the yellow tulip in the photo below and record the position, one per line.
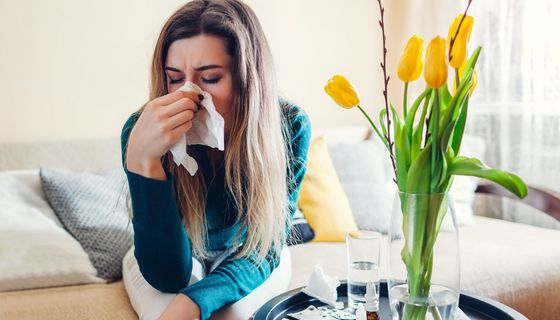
(410, 66)
(435, 67)
(474, 79)
(459, 50)
(342, 92)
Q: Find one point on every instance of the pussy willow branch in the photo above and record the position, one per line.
(452, 40)
(386, 82)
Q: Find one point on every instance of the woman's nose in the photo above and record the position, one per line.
(191, 78)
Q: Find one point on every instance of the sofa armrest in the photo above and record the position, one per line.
(541, 199)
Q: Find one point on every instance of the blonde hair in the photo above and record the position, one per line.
(257, 153)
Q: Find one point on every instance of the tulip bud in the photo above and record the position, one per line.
(410, 66)
(459, 49)
(474, 79)
(435, 67)
(342, 92)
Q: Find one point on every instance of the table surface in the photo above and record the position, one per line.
(475, 307)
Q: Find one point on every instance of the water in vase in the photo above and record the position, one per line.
(442, 303)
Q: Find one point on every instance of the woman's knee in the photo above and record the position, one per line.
(147, 301)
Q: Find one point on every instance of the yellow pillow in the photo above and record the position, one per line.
(322, 199)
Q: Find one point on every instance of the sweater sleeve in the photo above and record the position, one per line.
(234, 279)
(161, 245)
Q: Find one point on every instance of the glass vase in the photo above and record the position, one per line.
(424, 265)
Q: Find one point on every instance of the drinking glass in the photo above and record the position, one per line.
(362, 252)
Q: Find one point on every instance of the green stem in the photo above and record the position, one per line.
(435, 313)
(415, 212)
(457, 81)
(435, 140)
(375, 128)
(405, 100)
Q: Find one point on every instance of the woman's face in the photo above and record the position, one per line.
(203, 60)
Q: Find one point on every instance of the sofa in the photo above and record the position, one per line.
(515, 263)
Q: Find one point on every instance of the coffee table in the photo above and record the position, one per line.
(475, 307)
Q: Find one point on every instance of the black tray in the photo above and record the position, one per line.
(475, 307)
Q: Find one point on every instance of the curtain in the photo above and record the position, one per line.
(515, 107)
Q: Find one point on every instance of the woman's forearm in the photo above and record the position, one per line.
(162, 247)
(229, 282)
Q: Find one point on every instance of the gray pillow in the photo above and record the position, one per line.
(92, 207)
(365, 173)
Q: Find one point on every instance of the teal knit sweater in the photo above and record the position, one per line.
(162, 245)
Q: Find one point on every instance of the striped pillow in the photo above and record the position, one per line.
(301, 232)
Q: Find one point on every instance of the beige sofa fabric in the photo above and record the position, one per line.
(92, 301)
(90, 155)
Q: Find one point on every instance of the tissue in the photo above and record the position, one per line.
(207, 129)
(323, 288)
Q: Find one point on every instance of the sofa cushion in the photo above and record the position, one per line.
(321, 197)
(92, 207)
(90, 301)
(365, 173)
(35, 251)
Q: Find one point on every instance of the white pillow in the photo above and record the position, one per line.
(365, 174)
(35, 251)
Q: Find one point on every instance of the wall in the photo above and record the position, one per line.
(77, 69)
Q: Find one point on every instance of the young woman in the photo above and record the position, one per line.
(217, 238)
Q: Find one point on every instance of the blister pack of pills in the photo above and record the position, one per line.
(321, 313)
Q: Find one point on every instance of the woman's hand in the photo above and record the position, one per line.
(161, 124)
(181, 308)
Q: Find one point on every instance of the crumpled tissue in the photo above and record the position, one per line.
(323, 287)
(207, 129)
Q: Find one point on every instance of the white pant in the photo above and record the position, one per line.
(149, 303)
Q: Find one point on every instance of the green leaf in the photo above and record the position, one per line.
(451, 111)
(445, 95)
(436, 139)
(472, 62)
(418, 179)
(383, 139)
(396, 120)
(444, 175)
(461, 100)
(460, 127)
(402, 150)
(473, 167)
(416, 145)
(447, 180)
(409, 120)
(446, 136)
(382, 115)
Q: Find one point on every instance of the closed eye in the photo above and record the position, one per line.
(211, 81)
(207, 81)
(174, 81)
